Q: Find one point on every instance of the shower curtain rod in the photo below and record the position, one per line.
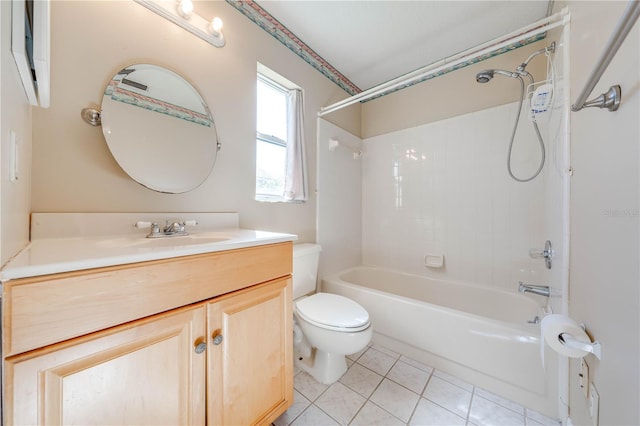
(530, 30)
(611, 98)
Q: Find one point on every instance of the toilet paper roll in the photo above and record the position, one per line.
(553, 326)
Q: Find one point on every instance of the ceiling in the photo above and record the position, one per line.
(370, 42)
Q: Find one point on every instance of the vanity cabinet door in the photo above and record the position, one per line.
(250, 370)
(145, 373)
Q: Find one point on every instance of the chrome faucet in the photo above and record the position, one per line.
(170, 229)
(174, 228)
(541, 290)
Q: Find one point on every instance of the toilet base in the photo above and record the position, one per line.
(325, 367)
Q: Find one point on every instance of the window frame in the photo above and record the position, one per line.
(262, 137)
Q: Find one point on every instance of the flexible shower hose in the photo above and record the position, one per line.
(513, 135)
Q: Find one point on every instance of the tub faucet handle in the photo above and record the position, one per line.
(546, 253)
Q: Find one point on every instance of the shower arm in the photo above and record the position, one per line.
(550, 49)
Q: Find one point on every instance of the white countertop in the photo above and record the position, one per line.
(55, 255)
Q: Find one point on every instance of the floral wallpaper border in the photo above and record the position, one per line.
(271, 25)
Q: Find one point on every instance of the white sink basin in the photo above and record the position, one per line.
(185, 240)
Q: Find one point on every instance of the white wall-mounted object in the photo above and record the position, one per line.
(339, 217)
(434, 260)
(567, 337)
(334, 143)
(181, 13)
(13, 156)
(31, 48)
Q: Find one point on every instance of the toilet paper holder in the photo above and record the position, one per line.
(571, 342)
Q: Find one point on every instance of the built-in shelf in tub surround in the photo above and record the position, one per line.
(58, 244)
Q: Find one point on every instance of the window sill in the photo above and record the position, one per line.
(276, 199)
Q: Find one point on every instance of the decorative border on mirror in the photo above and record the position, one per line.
(132, 98)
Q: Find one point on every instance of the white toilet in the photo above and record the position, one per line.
(326, 326)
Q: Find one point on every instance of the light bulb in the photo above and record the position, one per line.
(185, 8)
(215, 26)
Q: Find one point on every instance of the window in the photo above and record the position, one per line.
(271, 139)
(280, 157)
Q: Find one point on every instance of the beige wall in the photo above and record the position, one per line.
(449, 95)
(604, 276)
(15, 115)
(73, 170)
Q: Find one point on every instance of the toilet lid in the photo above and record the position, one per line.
(333, 311)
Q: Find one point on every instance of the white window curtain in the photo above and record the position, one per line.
(295, 180)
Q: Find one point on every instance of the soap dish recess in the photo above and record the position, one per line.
(434, 260)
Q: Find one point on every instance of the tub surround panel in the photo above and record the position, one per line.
(555, 219)
(339, 199)
(443, 188)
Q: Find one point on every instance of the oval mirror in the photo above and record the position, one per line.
(158, 128)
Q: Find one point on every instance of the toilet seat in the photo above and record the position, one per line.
(333, 312)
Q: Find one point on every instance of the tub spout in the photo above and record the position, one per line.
(541, 290)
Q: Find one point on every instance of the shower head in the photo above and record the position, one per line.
(486, 75)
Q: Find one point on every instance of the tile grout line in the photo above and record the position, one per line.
(306, 408)
(420, 395)
(473, 394)
(374, 390)
(368, 399)
(397, 358)
(442, 406)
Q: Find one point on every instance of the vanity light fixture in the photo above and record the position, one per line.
(181, 13)
(215, 27)
(185, 8)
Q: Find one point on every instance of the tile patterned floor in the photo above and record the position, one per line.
(382, 387)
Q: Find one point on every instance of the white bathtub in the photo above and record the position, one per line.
(479, 334)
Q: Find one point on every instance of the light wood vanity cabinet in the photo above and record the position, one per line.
(250, 373)
(222, 360)
(114, 377)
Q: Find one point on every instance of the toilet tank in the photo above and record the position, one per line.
(305, 268)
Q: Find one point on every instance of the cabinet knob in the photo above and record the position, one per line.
(201, 347)
(217, 339)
